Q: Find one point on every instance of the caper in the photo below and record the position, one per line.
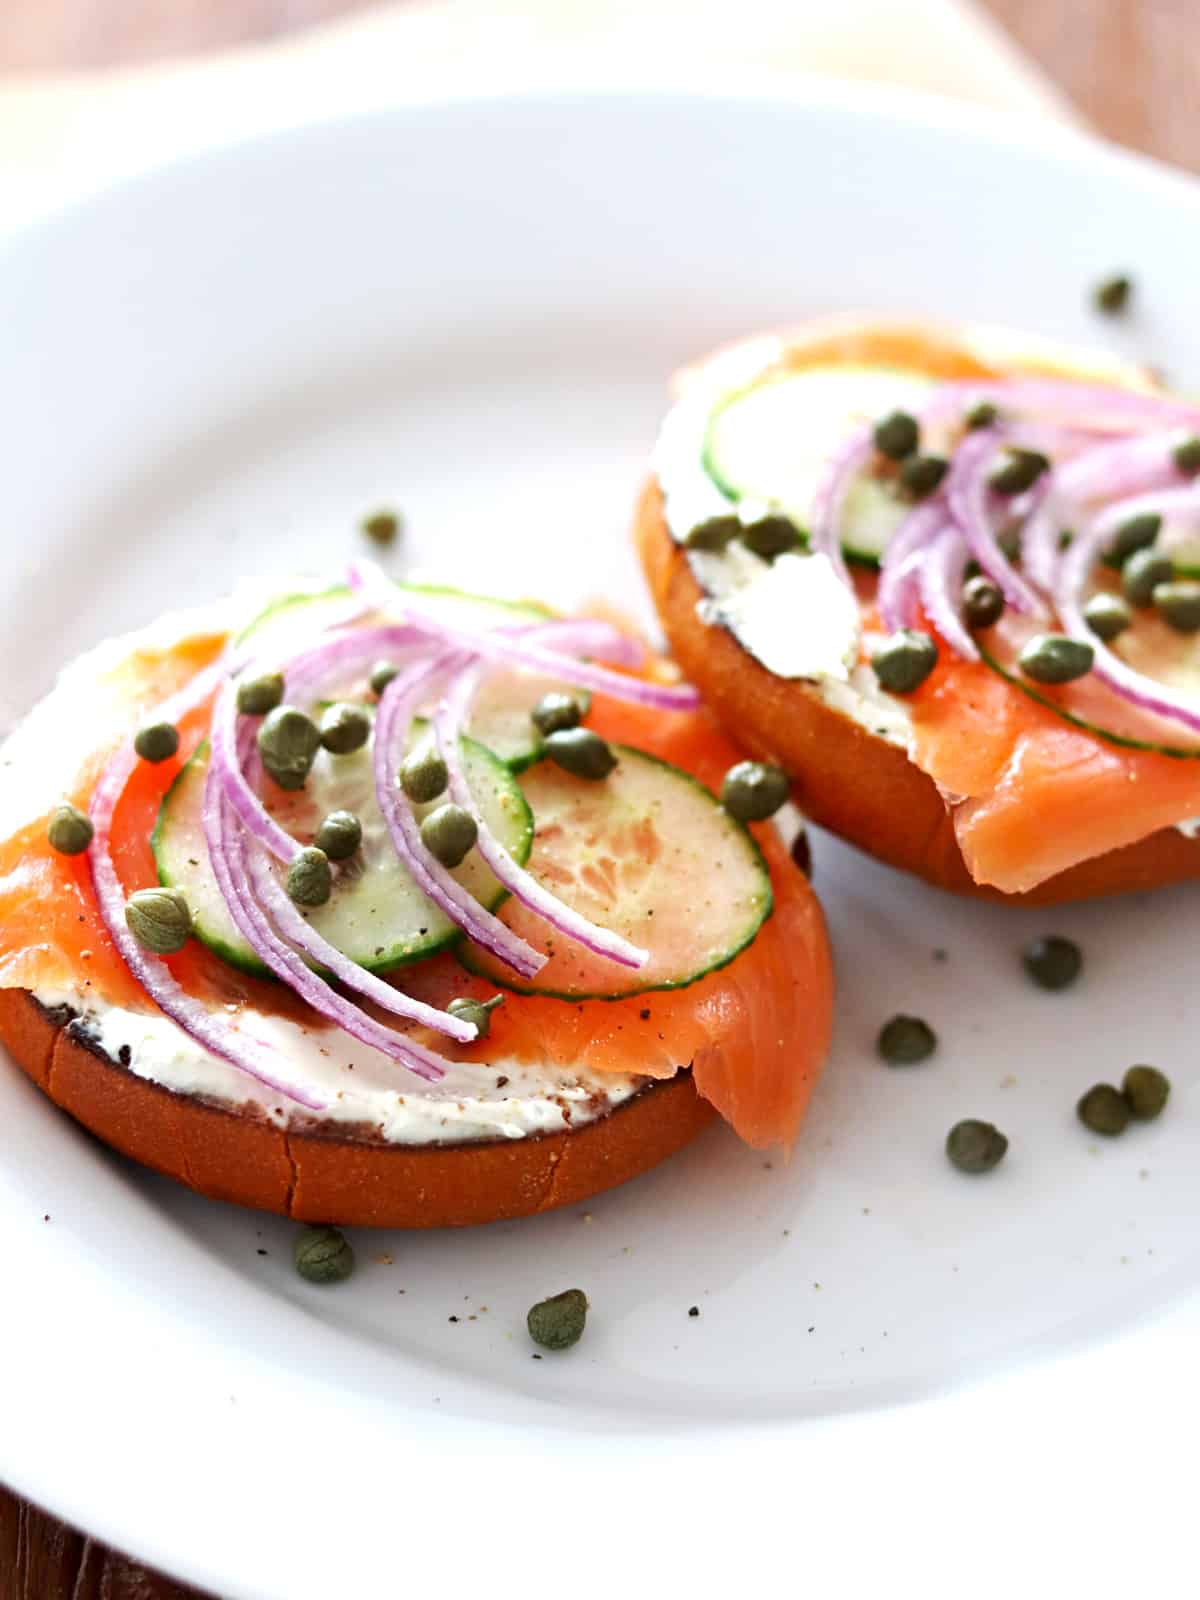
(982, 602)
(309, 877)
(257, 696)
(581, 752)
(323, 1255)
(1104, 1110)
(982, 416)
(770, 536)
(754, 790)
(904, 660)
(287, 742)
(921, 475)
(897, 435)
(1009, 540)
(381, 526)
(974, 1146)
(158, 742)
(714, 533)
(1178, 604)
(69, 830)
(1111, 295)
(449, 834)
(1055, 658)
(423, 774)
(903, 1041)
(558, 1323)
(344, 728)
(1052, 962)
(1146, 1092)
(159, 919)
(381, 675)
(478, 1012)
(556, 711)
(1135, 533)
(1019, 471)
(1186, 456)
(1107, 615)
(339, 835)
(1142, 574)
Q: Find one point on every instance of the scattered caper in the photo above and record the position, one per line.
(904, 660)
(382, 674)
(381, 526)
(903, 1041)
(754, 790)
(770, 536)
(714, 533)
(344, 728)
(921, 475)
(556, 711)
(975, 1146)
(1146, 1092)
(1019, 471)
(1135, 533)
(423, 774)
(1107, 615)
(1055, 658)
(69, 830)
(1104, 1110)
(449, 834)
(1186, 456)
(802, 852)
(897, 435)
(1009, 540)
(287, 742)
(339, 835)
(558, 1323)
(1111, 295)
(1142, 574)
(309, 878)
(982, 602)
(1052, 962)
(158, 742)
(257, 696)
(323, 1255)
(1178, 604)
(981, 416)
(478, 1012)
(159, 919)
(580, 752)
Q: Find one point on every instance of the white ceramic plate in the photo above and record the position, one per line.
(472, 309)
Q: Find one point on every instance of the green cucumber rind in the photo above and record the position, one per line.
(1122, 741)
(237, 957)
(465, 955)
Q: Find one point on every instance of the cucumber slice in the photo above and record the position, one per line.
(1149, 646)
(500, 719)
(771, 441)
(376, 915)
(649, 853)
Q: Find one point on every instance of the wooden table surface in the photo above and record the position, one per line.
(1131, 67)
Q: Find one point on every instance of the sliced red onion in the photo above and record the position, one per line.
(1166, 503)
(1077, 563)
(825, 518)
(393, 719)
(970, 505)
(448, 723)
(1090, 406)
(225, 761)
(943, 569)
(227, 852)
(209, 1029)
(896, 595)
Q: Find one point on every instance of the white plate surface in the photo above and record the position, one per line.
(472, 309)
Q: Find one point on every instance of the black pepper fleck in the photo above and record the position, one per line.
(693, 1311)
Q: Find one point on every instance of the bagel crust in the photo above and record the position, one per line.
(316, 1176)
(850, 780)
